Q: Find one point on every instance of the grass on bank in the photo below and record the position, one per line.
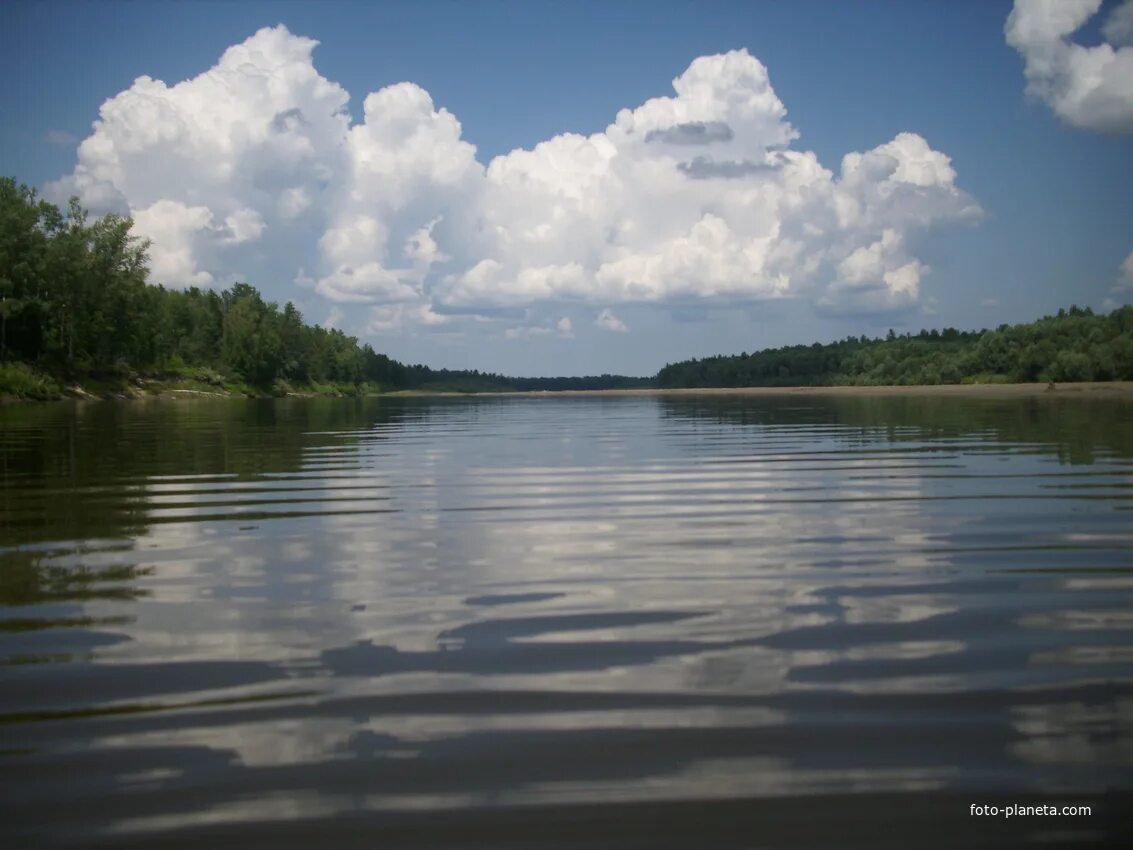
(20, 382)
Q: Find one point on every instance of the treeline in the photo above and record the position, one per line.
(1075, 345)
(587, 382)
(422, 377)
(75, 300)
(75, 303)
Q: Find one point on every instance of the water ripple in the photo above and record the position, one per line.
(471, 622)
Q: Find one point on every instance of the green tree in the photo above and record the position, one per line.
(250, 344)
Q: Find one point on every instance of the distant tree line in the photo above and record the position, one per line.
(75, 301)
(1075, 345)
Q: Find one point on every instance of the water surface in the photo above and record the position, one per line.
(590, 621)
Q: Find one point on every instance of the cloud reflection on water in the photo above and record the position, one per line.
(415, 604)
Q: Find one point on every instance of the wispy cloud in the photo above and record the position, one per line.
(607, 321)
(1125, 275)
(60, 137)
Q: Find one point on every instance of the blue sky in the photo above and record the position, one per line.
(1036, 213)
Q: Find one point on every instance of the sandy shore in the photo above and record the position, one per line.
(1104, 389)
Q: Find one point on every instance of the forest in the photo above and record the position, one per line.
(77, 307)
(1074, 345)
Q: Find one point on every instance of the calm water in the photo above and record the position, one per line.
(565, 622)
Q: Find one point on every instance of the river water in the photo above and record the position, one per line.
(697, 621)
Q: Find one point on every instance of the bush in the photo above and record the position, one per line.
(985, 378)
(21, 381)
(1072, 366)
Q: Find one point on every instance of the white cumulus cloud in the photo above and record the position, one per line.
(701, 195)
(607, 321)
(1125, 278)
(1087, 87)
(173, 230)
(395, 317)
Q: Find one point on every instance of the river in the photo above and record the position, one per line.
(647, 621)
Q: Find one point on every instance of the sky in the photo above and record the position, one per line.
(552, 188)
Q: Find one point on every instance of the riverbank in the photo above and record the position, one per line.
(20, 383)
(1122, 389)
